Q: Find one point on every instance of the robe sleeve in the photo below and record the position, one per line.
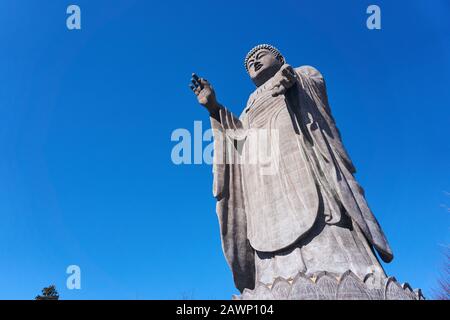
(319, 92)
(351, 194)
(230, 206)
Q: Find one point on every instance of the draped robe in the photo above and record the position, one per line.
(306, 205)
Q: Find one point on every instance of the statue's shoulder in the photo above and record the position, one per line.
(309, 72)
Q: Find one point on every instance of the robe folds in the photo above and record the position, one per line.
(270, 206)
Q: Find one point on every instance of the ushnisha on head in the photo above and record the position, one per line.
(263, 62)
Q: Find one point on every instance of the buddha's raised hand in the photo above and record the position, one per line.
(205, 93)
(283, 80)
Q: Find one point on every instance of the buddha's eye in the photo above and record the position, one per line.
(261, 54)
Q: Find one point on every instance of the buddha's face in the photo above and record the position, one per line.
(262, 66)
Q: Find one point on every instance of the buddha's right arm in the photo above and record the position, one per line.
(215, 113)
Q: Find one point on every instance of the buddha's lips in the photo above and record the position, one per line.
(258, 66)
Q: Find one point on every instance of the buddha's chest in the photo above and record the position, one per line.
(265, 111)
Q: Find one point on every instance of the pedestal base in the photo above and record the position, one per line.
(327, 286)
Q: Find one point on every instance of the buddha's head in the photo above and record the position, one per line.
(263, 62)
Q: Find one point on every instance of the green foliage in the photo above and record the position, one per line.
(48, 293)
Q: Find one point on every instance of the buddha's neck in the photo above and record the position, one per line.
(266, 76)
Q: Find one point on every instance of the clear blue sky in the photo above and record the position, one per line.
(86, 116)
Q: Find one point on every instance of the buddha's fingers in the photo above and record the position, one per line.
(278, 90)
(203, 82)
(196, 81)
(195, 89)
(289, 72)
